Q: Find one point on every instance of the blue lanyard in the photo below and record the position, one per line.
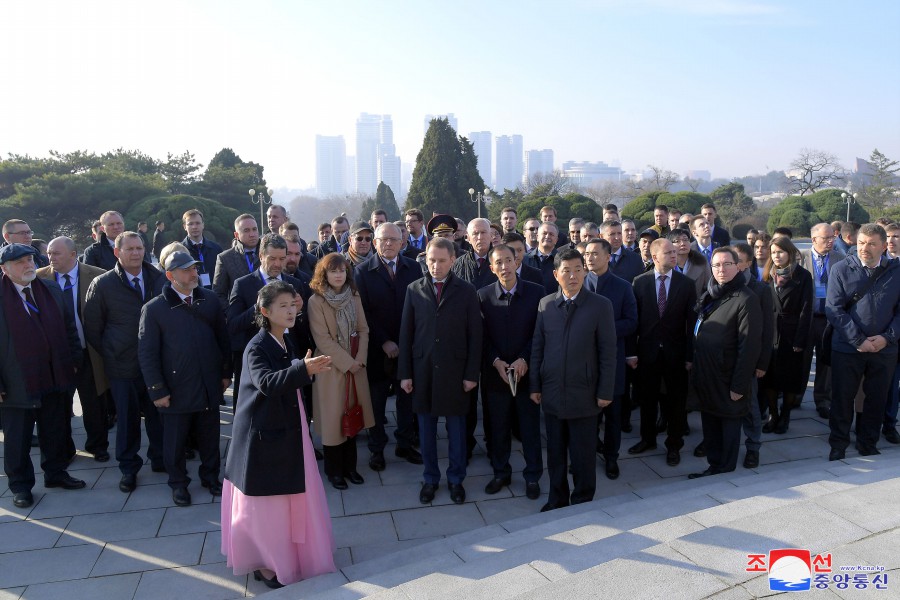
(64, 287)
(249, 263)
(823, 271)
(33, 308)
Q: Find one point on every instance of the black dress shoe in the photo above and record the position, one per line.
(705, 473)
(641, 446)
(496, 484)
(612, 469)
(270, 583)
(158, 468)
(825, 413)
(700, 450)
(626, 427)
(532, 490)
(128, 483)
(23, 499)
(867, 450)
(673, 457)
(354, 478)
(337, 482)
(457, 493)
(66, 482)
(426, 495)
(101, 456)
(891, 436)
(181, 497)
(214, 487)
(836, 454)
(376, 461)
(751, 459)
(411, 455)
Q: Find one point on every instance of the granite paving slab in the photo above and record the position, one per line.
(203, 582)
(17, 536)
(112, 587)
(132, 556)
(42, 566)
(112, 527)
(436, 520)
(77, 502)
(192, 519)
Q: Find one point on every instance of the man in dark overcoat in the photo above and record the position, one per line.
(39, 355)
(185, 357)
(727, 343)
(440, 355)
(573, 377)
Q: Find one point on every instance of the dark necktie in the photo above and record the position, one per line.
(568, 306)
(613, 259)
(187, 300)
(137, 285)
(67, 293)
(480, 263)
(661, 295)
(390, 269)
(505, 296)
(707, 252)
(439, 286)
(251, 258)
(32, 305)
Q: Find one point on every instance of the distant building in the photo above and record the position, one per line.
(331, 166)
(538, 162)
(701, 175)
(449, 116)
(585, 174)
(376, 158)
(482, 142)
(510, 167)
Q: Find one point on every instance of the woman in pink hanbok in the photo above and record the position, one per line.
(275, 520)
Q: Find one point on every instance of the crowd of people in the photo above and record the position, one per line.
(574, 328)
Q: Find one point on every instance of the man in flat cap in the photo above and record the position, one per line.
(185, 357)
(359, 242)
(39, 355)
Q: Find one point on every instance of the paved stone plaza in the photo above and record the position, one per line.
(651, 533)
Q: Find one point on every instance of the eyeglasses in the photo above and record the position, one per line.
(23, 232)
(825, 239)
(360, 238)
(723, 265)
(385, 239)
(408, 221)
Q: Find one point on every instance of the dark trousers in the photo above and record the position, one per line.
(130, 397)
(650, 375)
(612, 428)
(340, 460)
(822, 383)
(575, 438)
(846, 372)
(236, 357)
(893, 402)
(18, 423)
(93, 407)
(406, 421)
(506, 409)
(456, 434)
(627, 399)
(176, 429)
(722, 436)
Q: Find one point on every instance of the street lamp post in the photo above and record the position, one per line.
(849, 198)
(262, 201)
(480, 197)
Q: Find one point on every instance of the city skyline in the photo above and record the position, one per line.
(732, 87)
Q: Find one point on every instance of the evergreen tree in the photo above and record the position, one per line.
(384, 199)
(446, 168)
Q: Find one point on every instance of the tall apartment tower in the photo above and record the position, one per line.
(538, 161)
(509, 162)
(376, 158)
(331, 163)
(482, 141)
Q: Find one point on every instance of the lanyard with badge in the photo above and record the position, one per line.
(204, 276)
(821, 277)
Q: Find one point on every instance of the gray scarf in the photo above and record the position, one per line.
(344, 314)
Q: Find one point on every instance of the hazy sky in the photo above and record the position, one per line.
(730, 86)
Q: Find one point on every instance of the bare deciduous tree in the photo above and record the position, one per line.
(549, 184)
(662, 179)
(813, 170)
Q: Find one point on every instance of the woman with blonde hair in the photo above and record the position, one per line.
(339, 329)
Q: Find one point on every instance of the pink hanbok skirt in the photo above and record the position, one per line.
(288, 534)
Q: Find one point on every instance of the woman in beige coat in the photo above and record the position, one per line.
(335, 315)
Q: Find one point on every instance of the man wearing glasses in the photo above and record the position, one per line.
(382, 280)
(727, 343)
(530, 231)
(819, 261)
(16, 231)
(415, 222)
(359, 243)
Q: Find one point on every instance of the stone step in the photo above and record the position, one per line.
(583, 536)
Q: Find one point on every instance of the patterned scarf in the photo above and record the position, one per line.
(344, 314)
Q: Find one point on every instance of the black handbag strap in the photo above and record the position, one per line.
(866, 288)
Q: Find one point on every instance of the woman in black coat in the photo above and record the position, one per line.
(792, 289)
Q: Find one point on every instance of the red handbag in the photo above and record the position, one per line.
(352, 419)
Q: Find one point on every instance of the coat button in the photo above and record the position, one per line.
(436, 340)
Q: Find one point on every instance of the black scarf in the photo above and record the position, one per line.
(714, 293)
(41, 342)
